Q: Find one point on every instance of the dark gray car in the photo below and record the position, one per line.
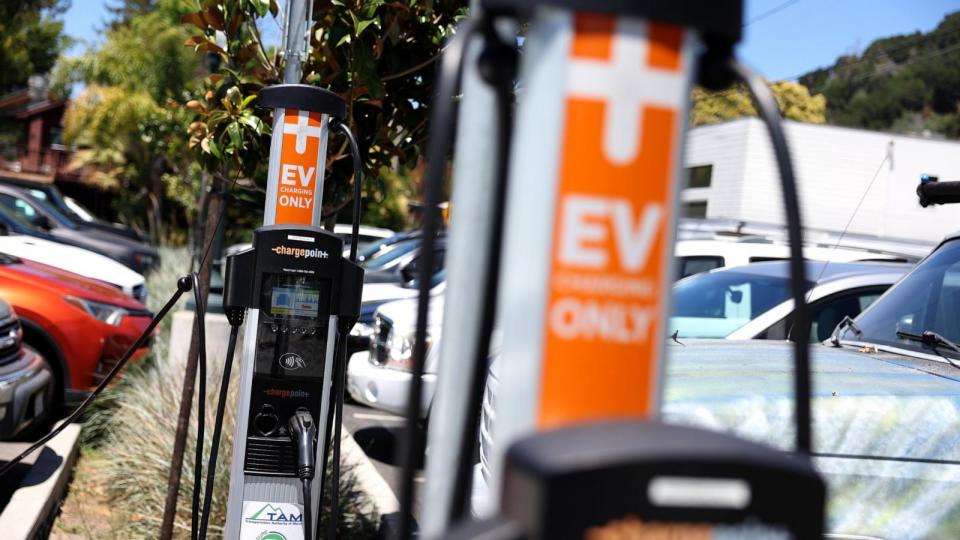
(25, 379)
(131, 253)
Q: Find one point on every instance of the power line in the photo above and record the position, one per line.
(770, 12)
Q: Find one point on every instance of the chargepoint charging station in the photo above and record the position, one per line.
(585, 172)
(302, 297)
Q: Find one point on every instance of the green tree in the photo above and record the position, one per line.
(794, 100)
(906, 83)
(31, 39)
(379, 56)
(129, 121)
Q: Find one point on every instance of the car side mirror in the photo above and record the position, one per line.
(43, 222)
(735, 296)
(408, 273)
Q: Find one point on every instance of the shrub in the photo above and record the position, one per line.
(139, 433)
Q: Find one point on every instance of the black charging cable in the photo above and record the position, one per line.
(303, 432)
(442, 130)
(200, 315)
(235, 317)
(769, 112)
(184, 284)
(497, 66)
(340, 362)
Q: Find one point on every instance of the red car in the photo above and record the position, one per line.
(81, 326)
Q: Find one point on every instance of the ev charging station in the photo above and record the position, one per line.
(303, 296)
(587, 173)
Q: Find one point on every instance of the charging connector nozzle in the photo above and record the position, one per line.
(303, 430)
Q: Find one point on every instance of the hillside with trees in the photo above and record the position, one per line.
(908, 83)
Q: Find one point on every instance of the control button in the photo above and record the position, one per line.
(266, 421)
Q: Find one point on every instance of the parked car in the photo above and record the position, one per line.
(26, 380)
(400, 262)
(374, 248)
(366, 236)
(695, 256)
(380, 377)
(77, 260)
(50, 195)
(131, 253)
(753, 301)
(886, 405)
(81, 326)
(377, 294)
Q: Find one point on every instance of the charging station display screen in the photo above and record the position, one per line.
(294, 297)
(294, 302)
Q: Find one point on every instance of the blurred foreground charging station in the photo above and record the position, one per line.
(579, 180)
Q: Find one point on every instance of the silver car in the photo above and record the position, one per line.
(886, 405)
(753, 301)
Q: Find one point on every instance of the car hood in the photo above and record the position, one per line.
(66, 283)
(385, 292)
(72, 259)
(886, 427)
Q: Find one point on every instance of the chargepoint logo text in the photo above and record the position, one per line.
(298, 253)
(284, 394)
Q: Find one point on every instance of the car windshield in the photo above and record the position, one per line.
(13, 216)
(714, 304)
(392, 253)
(79, 209)
(926, 300)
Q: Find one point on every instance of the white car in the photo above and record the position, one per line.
(753, 301)
(695, 256)
(77, 260)
(380, 377)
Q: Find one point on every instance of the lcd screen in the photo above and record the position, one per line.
(294, 302)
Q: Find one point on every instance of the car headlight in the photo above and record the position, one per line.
(362, 330)
(107, 313)
(400, 350)
(143, 259)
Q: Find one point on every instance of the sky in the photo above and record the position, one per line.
(782, 38)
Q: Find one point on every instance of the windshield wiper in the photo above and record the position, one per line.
(930, 339)
(846, 322)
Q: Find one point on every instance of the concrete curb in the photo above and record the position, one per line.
(352, 457)
(31, 510)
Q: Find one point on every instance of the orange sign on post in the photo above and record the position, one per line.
(613, 219)
(299, 176)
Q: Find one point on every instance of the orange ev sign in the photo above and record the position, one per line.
(625, 96)
(300, 167)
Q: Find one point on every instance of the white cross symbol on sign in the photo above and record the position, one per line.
(302, 129)
(626, 83)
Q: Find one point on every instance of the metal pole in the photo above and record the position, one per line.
(473, 200)
(295, 40)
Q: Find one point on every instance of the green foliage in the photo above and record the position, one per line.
(794, 100)
(379, 56)
(31, 38)
(129, 121)
(906, 83)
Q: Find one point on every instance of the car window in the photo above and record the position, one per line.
(714, 304)
(689, 266)
(767, 259)
(383, 258)
(927, 299)
(826, 314)
(20, 208)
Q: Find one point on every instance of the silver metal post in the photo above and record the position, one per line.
(295, 40)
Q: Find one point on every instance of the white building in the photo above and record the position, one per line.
(733, 174)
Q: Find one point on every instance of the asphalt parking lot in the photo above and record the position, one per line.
(378, 435)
